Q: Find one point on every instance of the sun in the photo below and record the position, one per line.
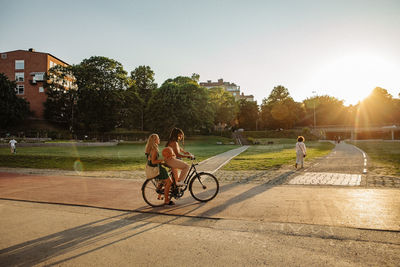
(353, 77)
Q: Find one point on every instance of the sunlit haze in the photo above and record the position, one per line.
(341, 48)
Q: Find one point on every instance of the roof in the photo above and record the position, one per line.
(36, 52)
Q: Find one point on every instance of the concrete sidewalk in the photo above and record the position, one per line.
(333, 206)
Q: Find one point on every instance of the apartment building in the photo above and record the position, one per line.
(28, 68)
(230, 87)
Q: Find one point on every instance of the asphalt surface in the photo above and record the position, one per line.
(33, 234)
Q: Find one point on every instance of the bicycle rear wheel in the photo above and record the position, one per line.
(204, 187)
(153, 192)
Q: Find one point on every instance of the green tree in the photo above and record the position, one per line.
(13, 109)
(223, 104)
(248, 114)
(101, 82)
(61, 102)
(328, 111)
(196, 77)
(132, 113)
(182, 103)
(143, 84)
(396, 113)
(377, 109)
(279, 110)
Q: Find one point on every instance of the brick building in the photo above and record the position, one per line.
(230, 87)
(28, 69)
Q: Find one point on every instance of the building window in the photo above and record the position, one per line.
(19, 64)
(19, 76)
(52, 64)
(20, 89)
(3, 56)
(41, 90)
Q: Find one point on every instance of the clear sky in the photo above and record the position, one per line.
(343, 48)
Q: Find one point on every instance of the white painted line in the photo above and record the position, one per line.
(365, 159)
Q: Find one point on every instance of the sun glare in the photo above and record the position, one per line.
(353, 77)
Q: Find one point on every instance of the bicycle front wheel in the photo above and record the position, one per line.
(153, 192)
(204, 187)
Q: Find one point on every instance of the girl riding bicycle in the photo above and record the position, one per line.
(152, 155)
(173, 159)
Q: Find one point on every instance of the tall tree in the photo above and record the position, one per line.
(132, 112)
(179, 102)
(223, 104)
(196, 77)
(376, 109)
(248, 114)
(61, 106)
(101, 82)
(279, 110)
(143, 84)
(328, 111)
(13, 109)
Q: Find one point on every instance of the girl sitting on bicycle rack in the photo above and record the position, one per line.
(173, 159)
(152, 155)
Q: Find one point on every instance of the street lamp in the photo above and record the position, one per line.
(315, 120)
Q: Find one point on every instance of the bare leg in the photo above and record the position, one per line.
(168, 183)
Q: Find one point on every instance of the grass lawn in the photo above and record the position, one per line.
(282, 151)
(120, 157)
(386, 154)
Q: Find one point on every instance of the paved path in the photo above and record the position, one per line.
(213, 164)
(343, 166)
(333, 206)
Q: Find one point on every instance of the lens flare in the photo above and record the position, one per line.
(78, 166)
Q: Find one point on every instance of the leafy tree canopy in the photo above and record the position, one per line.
(248, 114)
(13, 109)
(377, 109)
(223, 104)
(143, 82)
(182, 103)
(279, 93)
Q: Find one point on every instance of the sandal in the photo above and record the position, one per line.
(170, 203)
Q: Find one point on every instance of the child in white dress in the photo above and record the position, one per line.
(301, 152)
(12, 145)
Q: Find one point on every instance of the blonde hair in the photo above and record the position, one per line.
(151, 143)
(301, 139)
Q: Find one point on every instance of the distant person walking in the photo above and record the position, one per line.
(12, 145)
(301, 152)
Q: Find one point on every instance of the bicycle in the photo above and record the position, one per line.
(202, 186)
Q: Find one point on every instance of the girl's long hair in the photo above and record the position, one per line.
(151, 144)
(173, 136)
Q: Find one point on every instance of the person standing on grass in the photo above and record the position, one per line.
(301, 152)
(13, 146)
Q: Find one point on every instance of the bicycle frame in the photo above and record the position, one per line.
(196, 182)
(191, 174)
